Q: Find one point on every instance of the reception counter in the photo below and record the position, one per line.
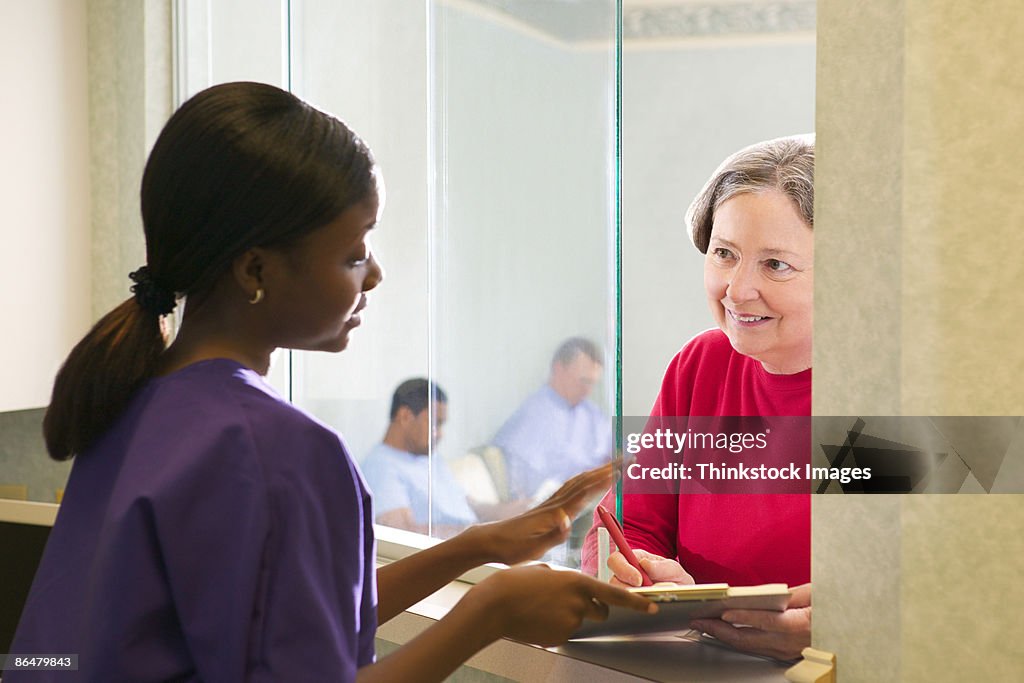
(682, 657)
(674, 657)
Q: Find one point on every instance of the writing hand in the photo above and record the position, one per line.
(657, 567)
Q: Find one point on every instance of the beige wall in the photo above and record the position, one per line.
(44, 194)
(87, 86)
(920, 262)
(97, 74)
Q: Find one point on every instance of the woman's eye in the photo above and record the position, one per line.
(777, 266)
(721, 253)
(360, 257)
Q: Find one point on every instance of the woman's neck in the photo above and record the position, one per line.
(208, 332)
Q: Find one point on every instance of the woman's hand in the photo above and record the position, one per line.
(781, 635)
(529, 535)
(657, 567)
(545, 606)
(525, 537)
(533, 604)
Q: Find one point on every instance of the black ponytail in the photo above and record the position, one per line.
(99, 377)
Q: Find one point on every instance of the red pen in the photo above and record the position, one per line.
(615, 531)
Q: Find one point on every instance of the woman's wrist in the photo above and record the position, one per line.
(464, 551)
(484, 614)
(474, 546)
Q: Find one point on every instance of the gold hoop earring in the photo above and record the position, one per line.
(257, 297)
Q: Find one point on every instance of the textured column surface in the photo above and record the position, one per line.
(917, 307)
(858, 196)
(129, 101)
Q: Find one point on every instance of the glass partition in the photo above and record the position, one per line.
(495, 123)
(523, 241)
(494, 126)
(700, 80)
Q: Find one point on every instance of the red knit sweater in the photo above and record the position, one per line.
(740, 539)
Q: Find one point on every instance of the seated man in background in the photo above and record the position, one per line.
(557, 432)
(397, 469)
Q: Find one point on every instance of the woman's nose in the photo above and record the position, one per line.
(375, 275)
(742, 285)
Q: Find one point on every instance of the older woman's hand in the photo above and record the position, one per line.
(781, 635)
(657, 567)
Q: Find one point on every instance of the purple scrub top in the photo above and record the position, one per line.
(215, 533)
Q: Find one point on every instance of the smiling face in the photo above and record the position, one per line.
(758, 275)
(316, 289)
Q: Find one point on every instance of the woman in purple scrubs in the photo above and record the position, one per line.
(211, 531)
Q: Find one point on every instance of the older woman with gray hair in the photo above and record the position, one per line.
(753, 221)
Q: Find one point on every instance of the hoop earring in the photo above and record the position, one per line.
(257, 297)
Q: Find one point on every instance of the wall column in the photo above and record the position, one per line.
(918, 309)
(129, 101)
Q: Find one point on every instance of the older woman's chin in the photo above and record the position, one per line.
(773, 361)
(741, 342)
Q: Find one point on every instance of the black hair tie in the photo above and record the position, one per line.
(150, 296)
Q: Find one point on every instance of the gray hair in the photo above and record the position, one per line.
(784, 164)
(572, 347)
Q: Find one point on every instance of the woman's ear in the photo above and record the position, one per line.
(247, 270)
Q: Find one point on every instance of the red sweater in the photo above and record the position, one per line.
(740, 539)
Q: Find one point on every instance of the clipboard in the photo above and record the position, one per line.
(678, 605)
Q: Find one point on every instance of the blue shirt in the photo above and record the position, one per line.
(398, 479)
(215, 533)
(546, 438)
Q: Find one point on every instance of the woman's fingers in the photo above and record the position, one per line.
(791, 621)
(553, 529)
(616, 582)
(753, 640)
(800, 596)
(528, 535)
(545, 606)
(782, 635)
(613, 595)
(596, 610)
(573, 494)
(657, 567)
(663, 568)
(746, 639)
(623, 570)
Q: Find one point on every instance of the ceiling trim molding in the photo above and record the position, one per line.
(684, 19)
(706, 19)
